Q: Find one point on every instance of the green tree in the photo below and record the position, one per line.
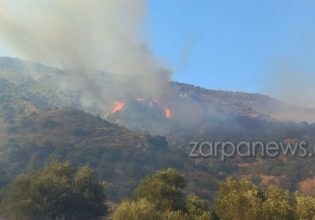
(278, 204)
(198, 208)
(164, 189)
(143, 209)
(136, 210)
(305, 207)
(59, 191)
(161, 197)
(238, 200)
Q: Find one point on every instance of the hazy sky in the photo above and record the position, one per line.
(4, 51)
(233, 45)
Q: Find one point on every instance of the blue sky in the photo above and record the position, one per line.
(232, 45)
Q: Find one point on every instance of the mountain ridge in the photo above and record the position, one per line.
(239, 103)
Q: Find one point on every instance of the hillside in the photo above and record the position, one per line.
(118, 156)
(43, 119)
(59, 88)
(248, 104)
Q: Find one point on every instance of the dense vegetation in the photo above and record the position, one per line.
(161, 196)
(62, 192)
(37, 126)
(59, 191)
(241, 199)
(119, 156)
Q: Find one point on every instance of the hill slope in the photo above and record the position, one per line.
(119, 156)
(49, 83)
(33, 131)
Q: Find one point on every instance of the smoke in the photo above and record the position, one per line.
(84, 36)
(81, 35)
(293, 84)
(186, 52)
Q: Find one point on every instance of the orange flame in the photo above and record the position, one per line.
(119, 106)
(168, 113)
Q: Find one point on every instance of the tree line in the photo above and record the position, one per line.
(62, 192)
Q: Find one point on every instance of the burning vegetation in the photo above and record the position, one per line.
(119, 106)
(153, 104)
(168, 113)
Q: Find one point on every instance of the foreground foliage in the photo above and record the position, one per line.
(161, 196)
(59, 191)
(241, 199)
(62, 192)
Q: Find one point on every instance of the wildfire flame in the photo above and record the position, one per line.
(168, 113)
(119, 106)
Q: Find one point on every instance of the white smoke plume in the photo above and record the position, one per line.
(293, 84)
(86, 34)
